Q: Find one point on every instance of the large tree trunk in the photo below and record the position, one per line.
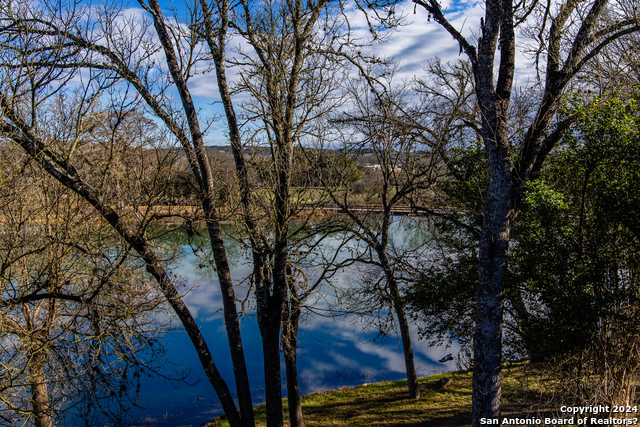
(487, 342)
(490, 291)
(566, 53)
(270, 333)
(494, 241)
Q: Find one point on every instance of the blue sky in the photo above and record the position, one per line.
(413, 45)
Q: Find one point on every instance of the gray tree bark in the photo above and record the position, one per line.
(231, 319)
(566, 52)
(403, 325)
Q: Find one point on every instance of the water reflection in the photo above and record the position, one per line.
(335, 351)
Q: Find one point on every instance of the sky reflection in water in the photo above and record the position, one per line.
(334, 352)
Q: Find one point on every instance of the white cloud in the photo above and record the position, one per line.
(393, 360)
(421, 40)
(344, 361)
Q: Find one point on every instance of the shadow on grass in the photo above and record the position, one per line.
(388, 404)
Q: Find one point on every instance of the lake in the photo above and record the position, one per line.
(335, 351)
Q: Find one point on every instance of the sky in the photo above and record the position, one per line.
(413, 45)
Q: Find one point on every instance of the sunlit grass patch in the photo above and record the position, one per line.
(389, 404)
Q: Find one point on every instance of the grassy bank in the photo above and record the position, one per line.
(388, 403)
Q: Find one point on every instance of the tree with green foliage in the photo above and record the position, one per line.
(578, 254)
(572, 289)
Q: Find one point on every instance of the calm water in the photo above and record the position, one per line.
(335, 352)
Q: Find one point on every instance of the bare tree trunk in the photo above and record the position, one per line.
(405, 335)
(278, 70)
(290, 350)
(218, 52)
(39, 392)
(407, 349)
(270, 333)
(271, 302)
(392, 288)
(270, 312)
(232, 324)
(219, 252)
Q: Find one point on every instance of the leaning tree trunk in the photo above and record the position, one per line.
(227, 291)
(403, 323)
(407, 349)
(405, 336)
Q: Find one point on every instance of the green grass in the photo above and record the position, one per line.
(388, 403)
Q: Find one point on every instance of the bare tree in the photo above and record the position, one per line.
(152, 57)
(35, 68)
(80, 319)
(408, 165)
(290, 79)
(568, 35)
(124, 50)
